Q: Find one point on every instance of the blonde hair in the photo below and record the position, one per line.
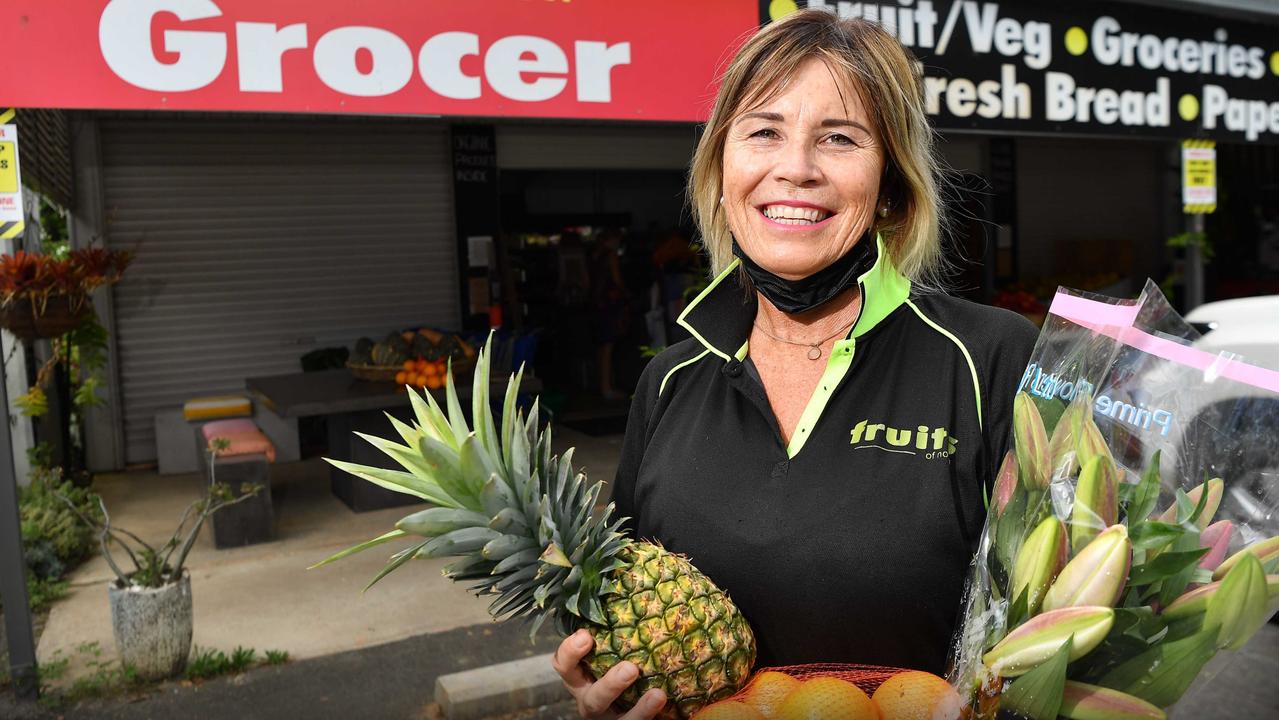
(884, 74)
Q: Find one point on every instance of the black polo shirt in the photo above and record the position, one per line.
(852, 543)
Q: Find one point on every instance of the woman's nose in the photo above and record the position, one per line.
(797, 164)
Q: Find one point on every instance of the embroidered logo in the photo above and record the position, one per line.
(923, 441)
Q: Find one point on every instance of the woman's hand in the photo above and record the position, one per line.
(595, 698)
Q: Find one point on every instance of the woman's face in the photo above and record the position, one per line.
(801, 174)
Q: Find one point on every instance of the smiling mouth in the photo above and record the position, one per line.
(791, 215)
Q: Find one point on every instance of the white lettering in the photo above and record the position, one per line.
(505, 65)
(124, 35)
(259, 47)
(440, 65)
(595, 62)
(335, 54)
(359, 61)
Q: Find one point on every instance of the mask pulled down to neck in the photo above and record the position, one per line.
(813, 291)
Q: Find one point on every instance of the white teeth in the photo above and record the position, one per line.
(790, 215)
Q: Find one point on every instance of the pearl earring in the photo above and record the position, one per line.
(883, 211)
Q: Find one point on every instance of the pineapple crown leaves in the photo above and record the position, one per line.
(520, 519)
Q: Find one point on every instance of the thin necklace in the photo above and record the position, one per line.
(814, 349)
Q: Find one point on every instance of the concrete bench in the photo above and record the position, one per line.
(247, 459)
(176, 454)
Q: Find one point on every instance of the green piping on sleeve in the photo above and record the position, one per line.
(972, 367)
(841, 358)
(671, 372)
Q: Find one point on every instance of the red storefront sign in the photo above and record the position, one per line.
(605, 59)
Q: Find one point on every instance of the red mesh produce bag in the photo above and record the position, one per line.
(866, 677)
(765, 694)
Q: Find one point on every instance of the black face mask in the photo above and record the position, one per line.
(797, 296)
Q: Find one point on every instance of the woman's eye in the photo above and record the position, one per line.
(766, 133)
(841, 139)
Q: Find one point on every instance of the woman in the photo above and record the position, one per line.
(819, 447)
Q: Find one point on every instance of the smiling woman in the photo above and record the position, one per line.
(820, 445)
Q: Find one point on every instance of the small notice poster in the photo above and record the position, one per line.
(1199, 176)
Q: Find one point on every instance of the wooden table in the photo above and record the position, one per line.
(350, 405)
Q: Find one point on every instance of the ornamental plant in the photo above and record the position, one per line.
(36, 278)
(154, 566)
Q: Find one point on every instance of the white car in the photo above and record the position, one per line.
(1248, 327)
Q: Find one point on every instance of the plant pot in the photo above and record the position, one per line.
(153, 627)
(28, 321)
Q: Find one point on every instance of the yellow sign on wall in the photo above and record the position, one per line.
(1198, 176)
(11, 218)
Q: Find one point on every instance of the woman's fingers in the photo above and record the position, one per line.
(650, 703)
(600, 695)
(568, 659)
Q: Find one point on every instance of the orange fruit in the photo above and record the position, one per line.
(434, 382)
(827, 698)
(409, 366)
(728, 710)
(767, 691)
(401, 377)
(428, 369)
(441, 366)
(917, 695)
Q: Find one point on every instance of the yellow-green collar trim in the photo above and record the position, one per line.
(720, 280)
(884, 289)
(720, 317)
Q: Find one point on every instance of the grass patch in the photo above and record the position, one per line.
(277, 657)
(108, 677)
(208, 663)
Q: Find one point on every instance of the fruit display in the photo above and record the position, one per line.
(774, 695)
(521, 521)
(414, 357)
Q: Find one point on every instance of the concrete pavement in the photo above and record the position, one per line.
(262, 596)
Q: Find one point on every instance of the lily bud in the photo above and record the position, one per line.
(1096, 500)
(1240, 605)
(1215, 489)
(1031, 443)
(1195, 601)
(1037, 640)
(1081, 701)
(1041, 557)
(1005, 483)
(1061, 446)
(1265, 550)
(1215, 537)
(1090, 443)
(1097, 574)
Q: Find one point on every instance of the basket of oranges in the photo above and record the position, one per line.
(839, 692)
(423, 373)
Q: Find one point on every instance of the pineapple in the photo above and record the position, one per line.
(523, 524)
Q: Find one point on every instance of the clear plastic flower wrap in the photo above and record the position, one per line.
(1132, 531)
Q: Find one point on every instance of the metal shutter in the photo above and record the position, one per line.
(257, 241)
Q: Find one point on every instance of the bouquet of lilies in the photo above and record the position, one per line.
(1128, 541)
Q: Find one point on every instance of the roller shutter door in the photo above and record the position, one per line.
(258, 241)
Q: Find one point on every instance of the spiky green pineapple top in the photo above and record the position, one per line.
(526, 529)
(516, 513)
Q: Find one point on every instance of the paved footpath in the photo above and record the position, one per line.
(397, 681)
(394, 681)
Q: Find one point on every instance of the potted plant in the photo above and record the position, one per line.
(45, 296)
(151, 602)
